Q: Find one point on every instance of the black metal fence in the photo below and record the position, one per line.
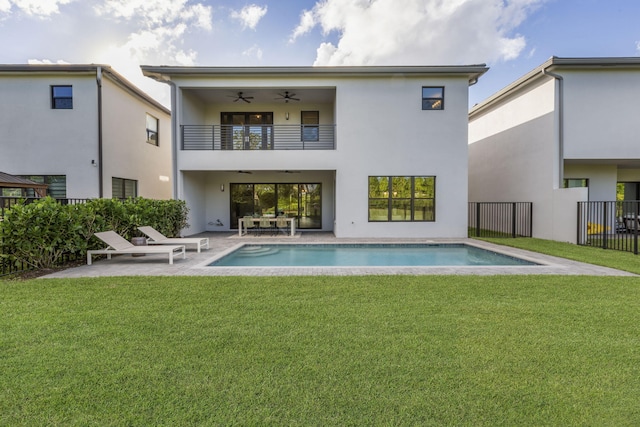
(609, 225)
(500, 219)
(7, 267)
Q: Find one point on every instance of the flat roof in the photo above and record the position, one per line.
(554, 64)
(83, 68)
(165, 72)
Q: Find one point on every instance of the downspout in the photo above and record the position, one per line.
(560, 124)
(99, 83)
(175, 137)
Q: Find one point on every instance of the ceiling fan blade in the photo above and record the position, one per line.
(246, 100)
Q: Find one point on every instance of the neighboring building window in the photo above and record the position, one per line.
(575, 183)
(124, 188)
(152, 130)
(310, 129)
(57, 185)
(62, 97)
(433, 98)
(402, 198)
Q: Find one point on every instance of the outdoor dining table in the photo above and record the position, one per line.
(243, 230)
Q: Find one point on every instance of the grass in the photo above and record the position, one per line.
(625, 261)
(381, 350)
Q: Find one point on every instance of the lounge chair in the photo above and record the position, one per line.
(157, 238)
(118, 245)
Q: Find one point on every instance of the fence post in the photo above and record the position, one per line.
(478, 219)
(605, 221)
(513, 220)
(635, 229)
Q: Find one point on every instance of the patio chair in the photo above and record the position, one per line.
(283, 225)
(118, 245)
(249, 224)
(157, 238)
(266, 225)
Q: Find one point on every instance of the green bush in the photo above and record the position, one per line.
(40, 233)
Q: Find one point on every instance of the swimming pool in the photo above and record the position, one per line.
(361, 255)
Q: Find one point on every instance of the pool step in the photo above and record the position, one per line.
(256, 251)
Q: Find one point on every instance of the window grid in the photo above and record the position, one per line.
(152, 130)
(122, 188)
(401, 198)
(433, 98)
(62, 97)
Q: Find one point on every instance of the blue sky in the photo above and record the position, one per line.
(511, 36)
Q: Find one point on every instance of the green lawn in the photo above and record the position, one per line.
(381, 350)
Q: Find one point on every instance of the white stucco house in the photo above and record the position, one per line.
(567, 131)
(359, 151)
(85, 131)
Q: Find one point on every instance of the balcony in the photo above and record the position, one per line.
(258, 137)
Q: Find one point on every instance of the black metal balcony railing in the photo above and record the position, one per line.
(258, 137)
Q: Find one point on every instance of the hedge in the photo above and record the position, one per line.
(40, 233)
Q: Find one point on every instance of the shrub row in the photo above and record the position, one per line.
(40, 233)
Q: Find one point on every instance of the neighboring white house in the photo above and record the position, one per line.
(568, 131)
(85, 131)
(360, 151)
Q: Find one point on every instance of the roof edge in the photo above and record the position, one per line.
(555, 63)
(164, 72)
(85, 68)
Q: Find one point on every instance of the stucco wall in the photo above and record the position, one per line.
(126, 154)
(39, 140)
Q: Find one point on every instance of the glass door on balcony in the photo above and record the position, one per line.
(247, 131)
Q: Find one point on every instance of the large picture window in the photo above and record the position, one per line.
(57, 185)
(402, 198)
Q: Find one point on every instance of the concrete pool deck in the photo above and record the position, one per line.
(220, 243)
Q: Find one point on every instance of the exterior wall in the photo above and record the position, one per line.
(602, 179)
(39, 140)
(126, 154)
(512, 154)
(381, 130)
(601, 114)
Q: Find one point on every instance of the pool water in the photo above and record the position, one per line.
(360, 255)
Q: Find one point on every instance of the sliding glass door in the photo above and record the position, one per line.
(294, 200)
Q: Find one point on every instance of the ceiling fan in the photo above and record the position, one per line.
(241, 97)
(288, 97)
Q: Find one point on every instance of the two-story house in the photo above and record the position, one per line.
(567, 131)
(360, 151)
(83, 130)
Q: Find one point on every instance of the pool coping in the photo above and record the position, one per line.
(221, 243)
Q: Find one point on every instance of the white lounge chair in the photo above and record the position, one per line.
(157, 238)
(118, 245)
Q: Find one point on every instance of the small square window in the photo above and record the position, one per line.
(152, 130)
(62, 97)
(433, 98)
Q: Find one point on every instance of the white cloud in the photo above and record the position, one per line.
(253, 51)
(638, 46)
(307, 22)
(418, 32)
(250, 15)
(37, 8)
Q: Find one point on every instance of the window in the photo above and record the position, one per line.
(152, 130)
(124, 188)
(62, 97)
(57, 185)
(402, 198)
(433, 98)
(574, 183)
(310, 129)
(302, 201)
